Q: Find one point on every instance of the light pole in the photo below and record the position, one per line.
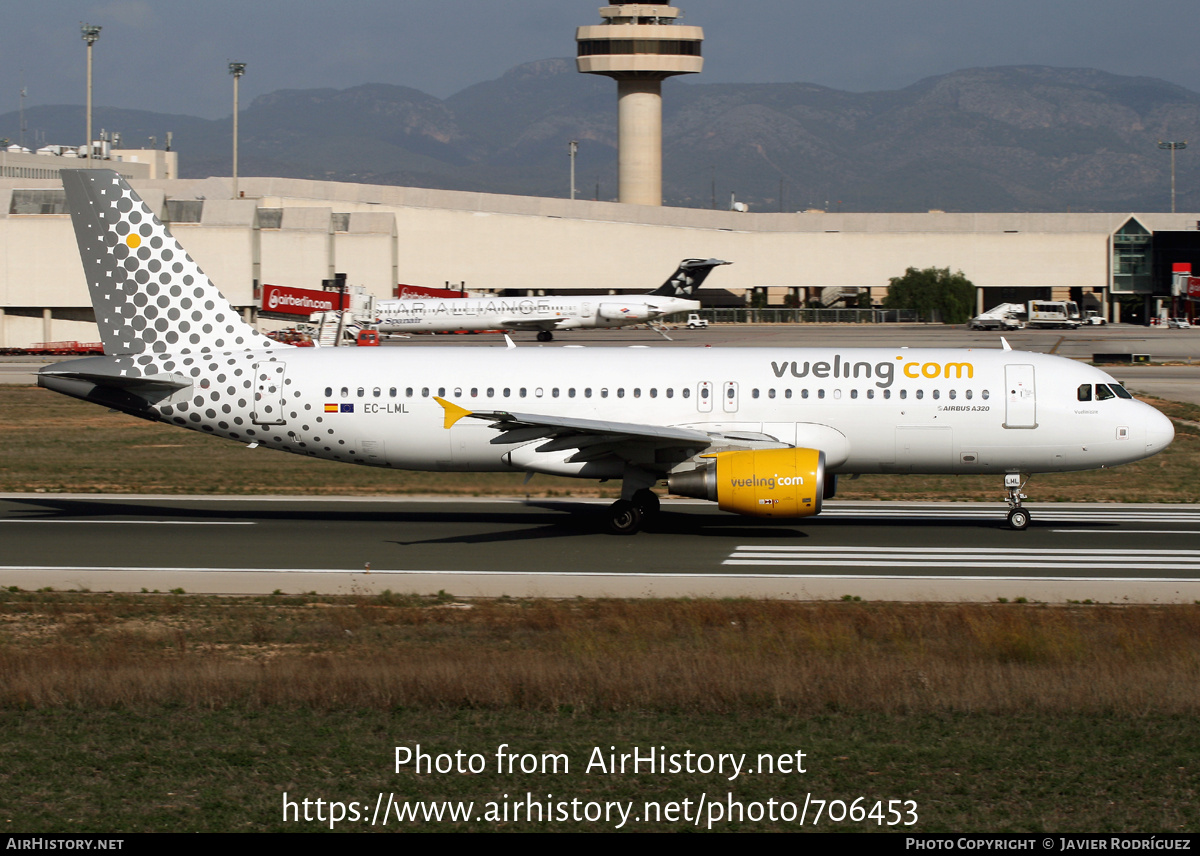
(1172, 147)
(572, 149)
(237, 69)
(90, 33)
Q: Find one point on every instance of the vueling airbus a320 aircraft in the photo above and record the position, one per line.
(761, 431)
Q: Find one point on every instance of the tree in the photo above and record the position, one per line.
(935, 293)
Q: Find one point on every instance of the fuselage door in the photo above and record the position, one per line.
(729, 396)
(268, 393)
(1020, 409)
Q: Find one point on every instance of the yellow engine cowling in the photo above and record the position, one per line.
(763, 482)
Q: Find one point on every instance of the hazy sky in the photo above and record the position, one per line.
(171, 56)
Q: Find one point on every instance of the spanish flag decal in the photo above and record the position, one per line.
(331, 408)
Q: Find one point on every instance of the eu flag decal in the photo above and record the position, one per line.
(347, 408)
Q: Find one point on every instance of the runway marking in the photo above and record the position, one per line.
(974, 557)
(1126, 531)
(146, 522)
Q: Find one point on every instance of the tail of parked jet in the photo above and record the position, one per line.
(689, 276)
(155, 299)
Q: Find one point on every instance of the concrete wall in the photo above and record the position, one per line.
(493, 242)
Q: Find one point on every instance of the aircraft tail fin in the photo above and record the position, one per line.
(148, 293)
(689, 276)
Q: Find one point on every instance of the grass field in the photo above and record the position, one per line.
(185, 713)
(52, 444)
(195, 713)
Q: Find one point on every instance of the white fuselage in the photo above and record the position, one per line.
(553, 312)
(868, 410)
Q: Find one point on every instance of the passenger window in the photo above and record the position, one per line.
(408, 393)
(887, 393)
(507, 392)
(920, 393)
(804, 393)
(441, 392)
(653, 392)
(376, 392)
(686, 393)
(770, 393)
(392, 392)
(854, 393)
(361, 392)
(637, 392)
(425, 392)
(985, 395)
(587, 392)
(820, 393)
(837, 394)
(1085, 392)
(904, 393)
(621, 392)
(704, 393)
(458, 392)
(329, 392)
(345, 392)
(604, 393)
(937, 393)
(970, 394)
(953, 394)
(554, 392)
(571, 392)
(787, 393)
(753, 394)
(491, 393)
(474, 392)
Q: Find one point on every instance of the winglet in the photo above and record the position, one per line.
(1004, 342)
(453, 412)
(510, 343)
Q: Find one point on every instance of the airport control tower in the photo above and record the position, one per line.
(639, 45)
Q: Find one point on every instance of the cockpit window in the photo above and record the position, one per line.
(1085, 392)
(1103, 393)
(1121, 391)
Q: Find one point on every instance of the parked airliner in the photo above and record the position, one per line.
(761, 431)
(547, 313)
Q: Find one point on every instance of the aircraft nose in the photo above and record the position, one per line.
(1159, 432)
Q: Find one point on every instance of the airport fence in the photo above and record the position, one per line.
(811, 316)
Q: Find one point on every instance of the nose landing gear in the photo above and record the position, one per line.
(1018, 517)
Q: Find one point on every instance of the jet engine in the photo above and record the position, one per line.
(760, 482)
(624, 311)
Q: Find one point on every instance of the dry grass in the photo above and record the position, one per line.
(87, 651)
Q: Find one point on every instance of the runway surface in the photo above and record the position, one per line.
(470, 547)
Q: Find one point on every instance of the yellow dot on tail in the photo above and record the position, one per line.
(134, 241)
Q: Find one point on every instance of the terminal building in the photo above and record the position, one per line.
(298, 233)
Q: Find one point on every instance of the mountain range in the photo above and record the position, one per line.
(1020, 138)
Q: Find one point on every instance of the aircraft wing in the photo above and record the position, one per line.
(593, 439)
(523, 324)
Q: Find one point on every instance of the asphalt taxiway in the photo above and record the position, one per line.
(555, 548)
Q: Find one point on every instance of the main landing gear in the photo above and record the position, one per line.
(1018, 517)
(627, 516)
(545, 336)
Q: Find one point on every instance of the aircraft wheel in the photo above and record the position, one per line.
(647, 503)
(545, 336)
(624, 518)
(1018, 518)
